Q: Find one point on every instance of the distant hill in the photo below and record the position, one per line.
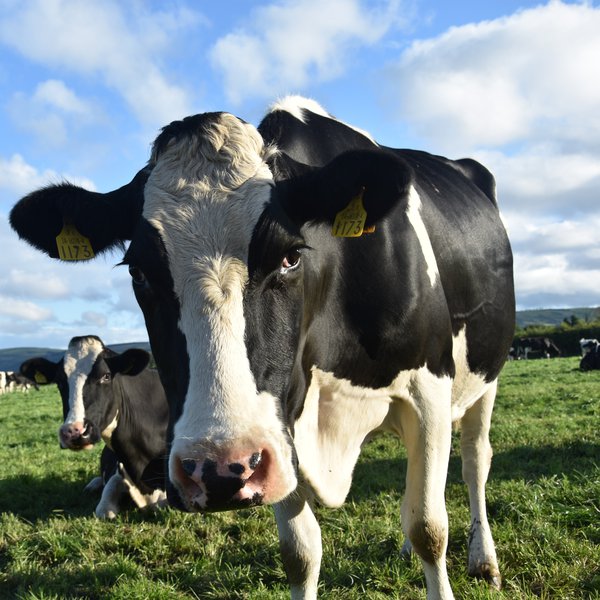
(11, 358)
(555, 316)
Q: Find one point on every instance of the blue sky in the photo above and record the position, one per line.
(85, 86)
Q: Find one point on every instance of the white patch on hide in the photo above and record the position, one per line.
(78, 362)
(295, 105)
(414, 216)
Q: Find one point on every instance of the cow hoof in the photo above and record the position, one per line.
(488, 572)
(106, 514)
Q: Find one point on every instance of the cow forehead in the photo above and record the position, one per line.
(81, 356)
(204, 197)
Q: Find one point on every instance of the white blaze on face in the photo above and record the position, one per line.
(78, 362)
(204, 197)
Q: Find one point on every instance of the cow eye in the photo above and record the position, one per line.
(137, 275)
(105, 378)
(291, 260)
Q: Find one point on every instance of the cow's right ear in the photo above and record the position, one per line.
(380, 178)
(106, 220)
(40, 370)
(131, 362)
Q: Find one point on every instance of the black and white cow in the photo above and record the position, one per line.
(591, 359)
(540, 346)
(587, 345)
(283, 347)
(116, 398)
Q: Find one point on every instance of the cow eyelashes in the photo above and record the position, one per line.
(137, 275)
(105, 378)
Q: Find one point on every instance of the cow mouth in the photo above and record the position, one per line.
(84, 441)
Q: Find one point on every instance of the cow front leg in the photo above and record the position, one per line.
(300, 544)
(476, 459)
(108, 507)
(426, 430)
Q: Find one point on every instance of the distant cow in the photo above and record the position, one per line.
(19, 382)
(3, 382)
(304, 287)
(113, 397)
(530, 347)
(587, 345)
(591, 359)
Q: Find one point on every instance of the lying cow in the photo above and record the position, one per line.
(116, 398)
(591, 359)
(587, 345)
(303, 288)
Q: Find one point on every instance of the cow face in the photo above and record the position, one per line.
(208, 192)
(85, 379)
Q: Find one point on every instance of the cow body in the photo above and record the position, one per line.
(282, 347)
(590, 359)
(115, 398)
(540, 346)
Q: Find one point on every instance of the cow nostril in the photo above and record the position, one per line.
(189, 466)
(255, 460)
(237, 468)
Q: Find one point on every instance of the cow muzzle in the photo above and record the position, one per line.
(228, 479)
(76, 436)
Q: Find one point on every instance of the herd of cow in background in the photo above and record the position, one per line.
(544, 347)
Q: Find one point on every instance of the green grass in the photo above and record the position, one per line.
(543, 503)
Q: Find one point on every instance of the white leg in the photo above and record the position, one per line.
(300, 544)
(108, 507)
(476, 459)
(94, 486)
(426, 432)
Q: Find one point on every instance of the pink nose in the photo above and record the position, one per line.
(73, 435)
(225, 483)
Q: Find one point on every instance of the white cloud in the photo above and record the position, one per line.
(292, 42)
(105, 39)
(22, 309)
(96, 319)
(553, 274)
(19, 177)
(56, 94)
(514, 79)
(32, 284)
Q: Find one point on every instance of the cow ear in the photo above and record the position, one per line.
(40, 370)
(131, 362)
(379, 178)
(104, 220)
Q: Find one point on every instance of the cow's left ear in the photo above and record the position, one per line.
(379, 178)
(70, 223)
(131, 362)
(40, 370)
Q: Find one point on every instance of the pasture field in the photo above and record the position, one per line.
(543, 503)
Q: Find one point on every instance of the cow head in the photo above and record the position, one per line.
(86, 380)
(219, 257)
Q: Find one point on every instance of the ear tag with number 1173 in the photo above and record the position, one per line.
(72, 245)
(350, 222)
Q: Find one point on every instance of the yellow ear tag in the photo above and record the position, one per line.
(72, 245)
(350, 222)
(40, 378)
